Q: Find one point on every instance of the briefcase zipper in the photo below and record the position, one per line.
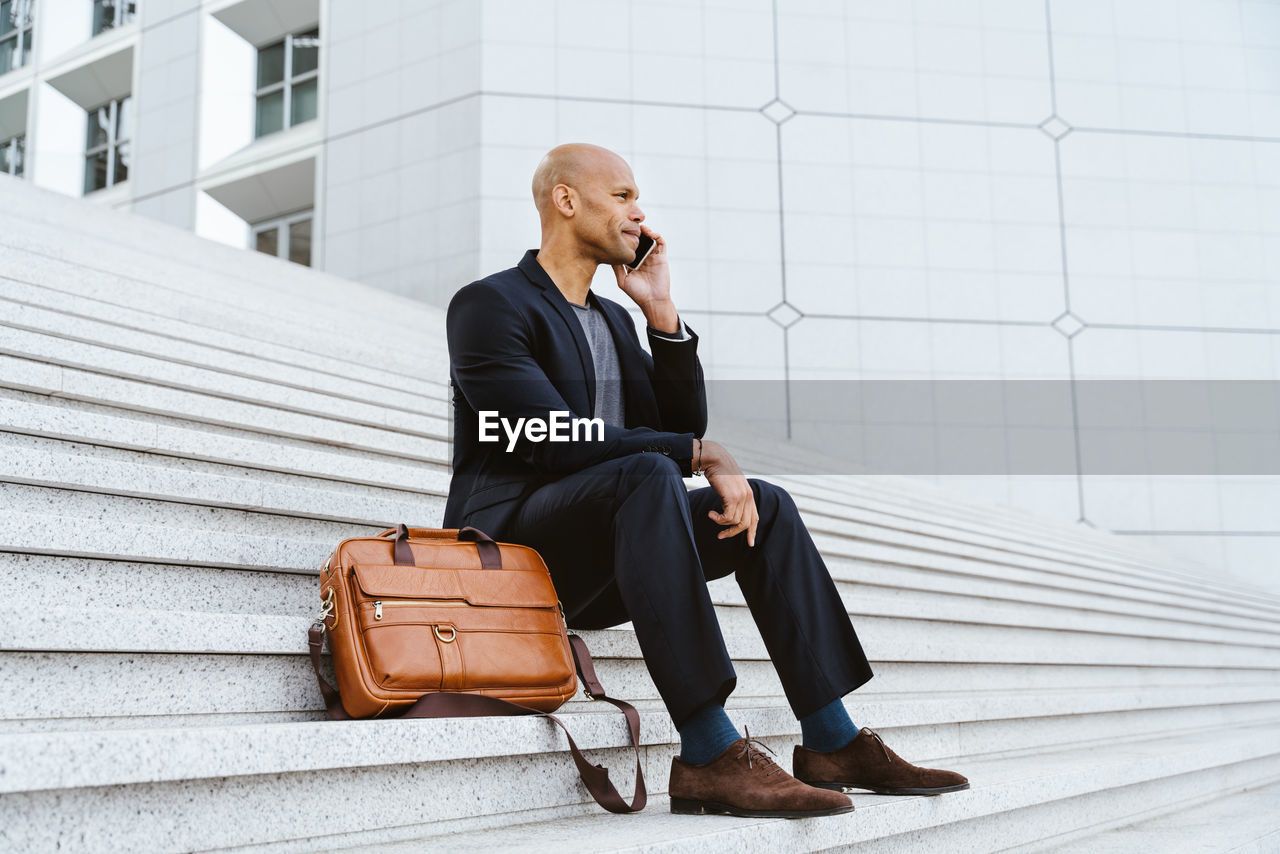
(378, 603)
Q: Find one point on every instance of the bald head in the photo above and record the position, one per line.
(588, 204)
(577, 165)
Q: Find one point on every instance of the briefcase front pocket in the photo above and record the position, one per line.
(523, 659)
(447, 629)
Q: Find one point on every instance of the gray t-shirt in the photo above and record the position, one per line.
(605, 358)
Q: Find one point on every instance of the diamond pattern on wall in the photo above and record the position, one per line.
(785, 314)
(777, 111)
(1068, 324)
(1055, 127)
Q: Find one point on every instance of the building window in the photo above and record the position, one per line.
(287, 78)
(109, 14)
(11, 155)
(15, 33)
(107, 146)
(285, 237)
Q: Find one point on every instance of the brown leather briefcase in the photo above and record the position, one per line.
(445, 622)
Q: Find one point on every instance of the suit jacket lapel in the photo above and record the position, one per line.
(534, 272)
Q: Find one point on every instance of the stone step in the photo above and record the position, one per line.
(37, 580)
(428, 441)
(809, 472)
(1241, 822)
(35, 418)
(59, 308)
(1068, 556)
(139, 435)
(865, 600)
(98, 583)
(964, 579)
(193, 269)
(1010, 799)
(918, 524)
(915, 498)
(167, 533)
(164, 689)
(346, 401)
(175, 542)
(111, 474)
(910, 552)
(872, 525)
(897, 638)
(350, 335)
(426, 781)
(967, 525)
(231, 497)
(156, 437)
(128, 433)
(165, 684)
(95, 756)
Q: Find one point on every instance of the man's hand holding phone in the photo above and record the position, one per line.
(646, 279)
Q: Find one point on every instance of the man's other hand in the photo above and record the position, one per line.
(738, 503)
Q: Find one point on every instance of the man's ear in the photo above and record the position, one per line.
(565, 198)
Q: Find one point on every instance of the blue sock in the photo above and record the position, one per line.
(706, 734)
(829, 728)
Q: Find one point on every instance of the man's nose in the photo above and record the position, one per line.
(636, 214)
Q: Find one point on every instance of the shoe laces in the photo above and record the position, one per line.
(750, 750)
(878, 740)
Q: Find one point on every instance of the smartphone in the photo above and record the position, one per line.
(642, 250)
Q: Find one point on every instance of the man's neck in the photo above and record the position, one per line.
(571, 272)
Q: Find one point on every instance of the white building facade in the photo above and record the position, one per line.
(1028, 190)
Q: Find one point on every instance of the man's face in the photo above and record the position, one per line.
(608, 221)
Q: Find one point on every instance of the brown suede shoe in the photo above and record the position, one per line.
(744, 781)
(868, 763)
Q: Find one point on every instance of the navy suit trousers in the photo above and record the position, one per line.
(626, 541)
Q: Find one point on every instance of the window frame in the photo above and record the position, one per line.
(21, 34)
(287, 80)
(118, 16)
(111, 146)
(13, 143)
(281, 223)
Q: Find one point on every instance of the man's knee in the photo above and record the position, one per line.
(655, 465)
(771, 498)
(654, 474)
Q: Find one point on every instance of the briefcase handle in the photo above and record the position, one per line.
(490, 554)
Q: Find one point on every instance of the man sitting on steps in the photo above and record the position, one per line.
(623, 538)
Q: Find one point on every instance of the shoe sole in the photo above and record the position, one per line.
(840, 787)
(688, 806)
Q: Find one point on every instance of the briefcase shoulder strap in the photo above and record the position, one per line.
(448, 704)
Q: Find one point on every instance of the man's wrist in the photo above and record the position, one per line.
(662, 317)
(696, 466)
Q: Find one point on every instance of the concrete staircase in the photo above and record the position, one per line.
(185, 433)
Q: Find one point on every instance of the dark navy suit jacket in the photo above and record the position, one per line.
(515, 347)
